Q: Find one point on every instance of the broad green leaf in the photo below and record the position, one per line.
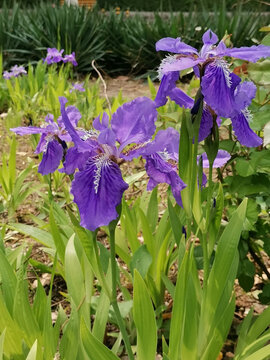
(8, 281)
(178, 313)
(145, 321)
(93, 348)
(152, 210)
(260, 72)
(189, 340)
(75, 278)
(14, 334)
(41, 236)
(266, 139)
(32, 355)
(23, 312)
(216, 217)
(141, 261)
(57, 237)
(101, 316)
(135, 177)
(259, 326)
(2, 339)
(243, 332)
(222, 276)
(255, 346)
(175, 222)
(148, 238)
(68, 347)
(245, 167)
(261, 354)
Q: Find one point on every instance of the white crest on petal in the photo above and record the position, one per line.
(167, 60)
(100, 162)
(164, 154)
(88, 134)
(225, 67)
(247, 114)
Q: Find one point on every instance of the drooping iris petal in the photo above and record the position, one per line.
(168, 88)
(97, 190)
(51, 158)
(252, 53)
(244, 93)
(206, 124)
(74, 160)
(26, 130)
(181, 99)
(103, 124)
(174, 46)
(218, 86)
(166, 85)
(177, 64)
(41, 146)
(221, 159)
(242, 130)
(134, 122)
(161, 171)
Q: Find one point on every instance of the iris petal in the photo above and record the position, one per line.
(51, 158)
(97, 190)
(174, 46)
(242, 130)
(252, 53)
(134, 122)
(74, 160)
(161, 171)
(218, 86)
(168, 88)
(27, 130)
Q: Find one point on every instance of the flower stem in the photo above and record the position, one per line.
(208, 211)
(114, 303)
(100, 270)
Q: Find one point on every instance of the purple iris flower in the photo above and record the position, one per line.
(169, 89)
(15, 71)
(217, 82)
(53, 136)
(71, 59)
(224, 94)
(98, 186)
(53, 56)
(77, 87)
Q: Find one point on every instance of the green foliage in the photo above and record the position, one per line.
(13, 187)
(119, 44)
(172, 5)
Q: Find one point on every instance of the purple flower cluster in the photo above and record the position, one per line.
(223, 93)
(98, 185)
(15, 71)
(55, 56)
(77, 87)
(94, 155)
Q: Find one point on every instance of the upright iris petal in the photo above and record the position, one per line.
(134, 122)
(98, 190)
